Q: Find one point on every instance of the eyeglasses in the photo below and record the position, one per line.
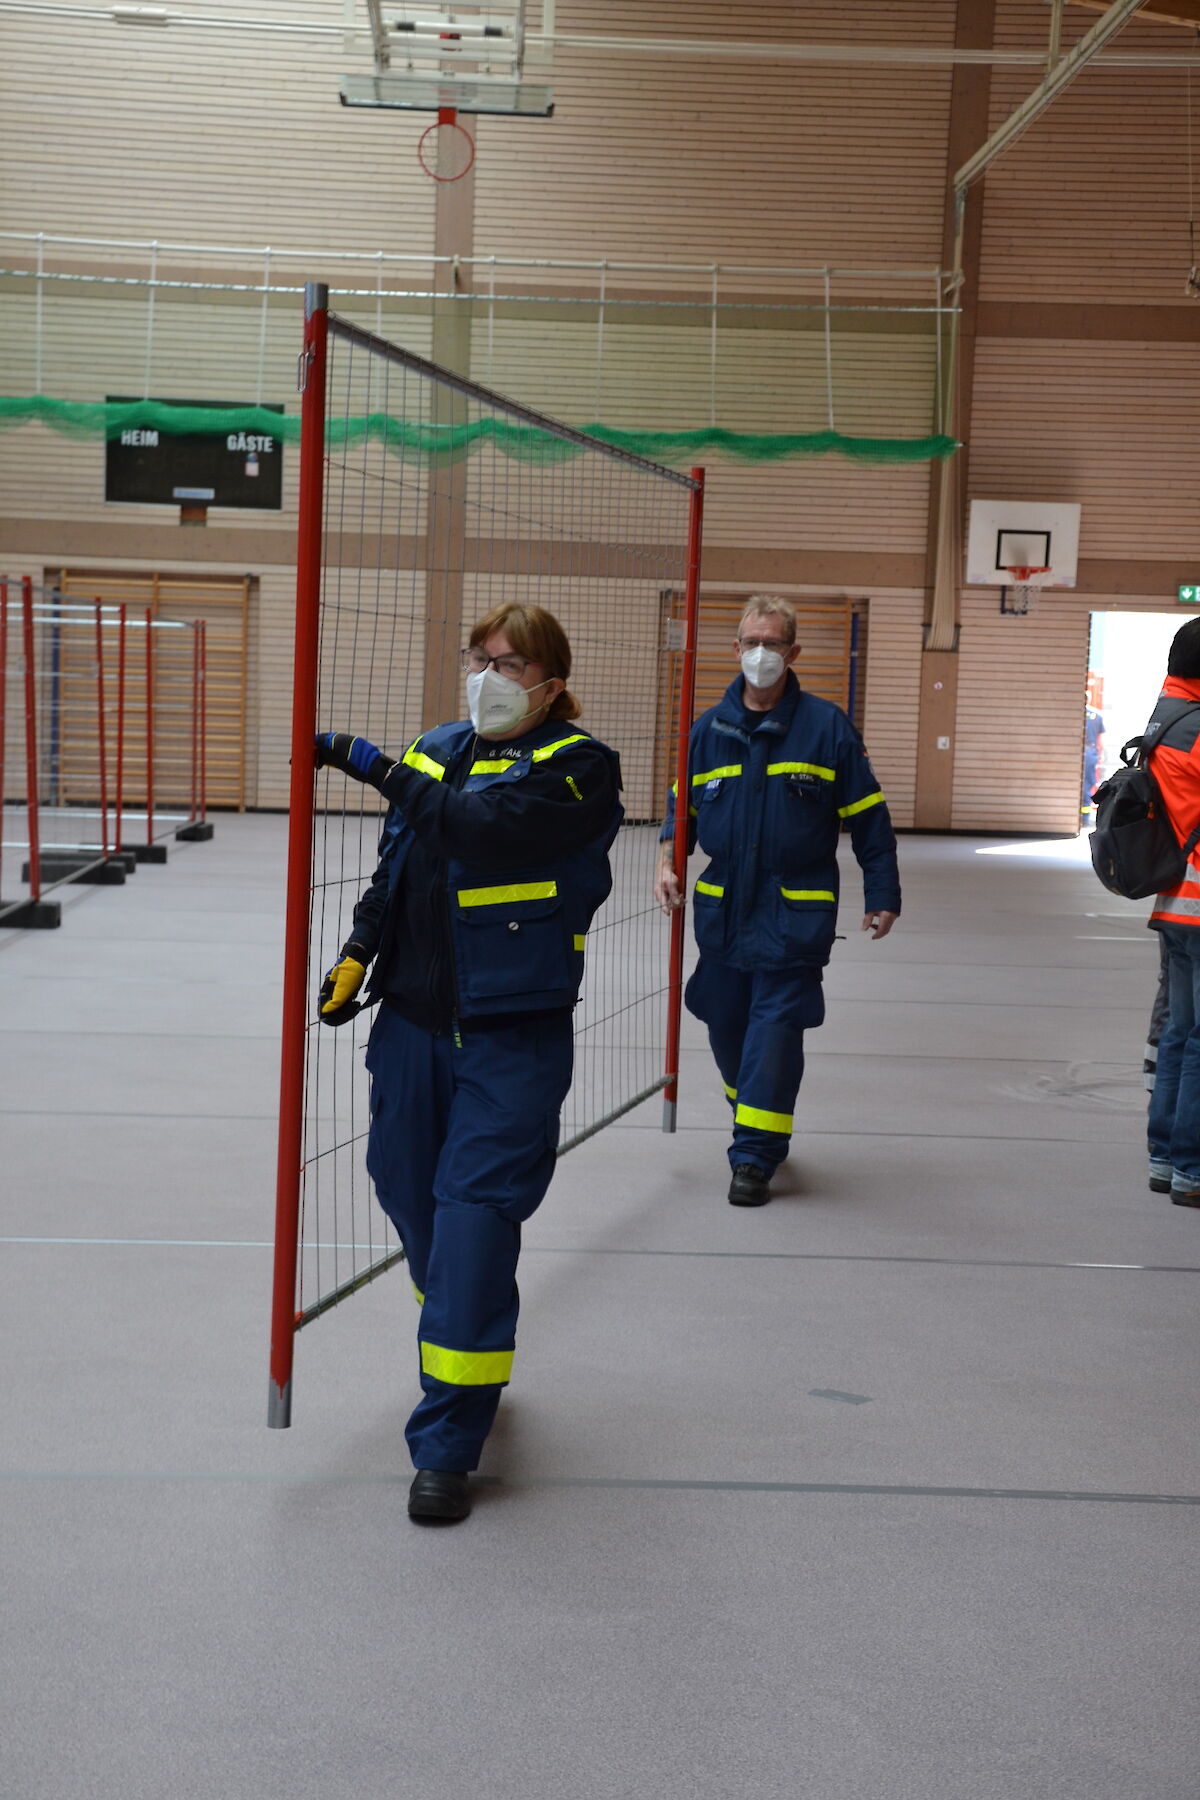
(757, 643)
(476, 660)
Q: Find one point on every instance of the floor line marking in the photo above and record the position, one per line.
(401, 1478)
(952, 1262)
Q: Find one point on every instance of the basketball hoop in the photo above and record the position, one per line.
(452, 152)
(1023, 585)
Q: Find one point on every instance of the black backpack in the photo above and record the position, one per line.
(1134, 850)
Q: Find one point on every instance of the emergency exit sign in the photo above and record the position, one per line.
(1188, 596)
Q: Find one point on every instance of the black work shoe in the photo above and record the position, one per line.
(750, 1186)
(1184, 1196)
(1160, 1184)
(439, 1495)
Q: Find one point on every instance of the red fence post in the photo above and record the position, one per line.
(3, 715)
(300, 847)
(119, 798)
(101, 723)
(192, 813)
(31, 743)
(203, 719)
(149, 729)
(683, 794)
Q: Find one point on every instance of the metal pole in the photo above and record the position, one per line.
(149, 729)
(300, 847)
(120, 793)
(101, 723)
(195, 717)
(31, 744)
(3, 714)
(683, 793)
(203, 718)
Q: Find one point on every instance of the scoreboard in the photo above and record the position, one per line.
(225, 468)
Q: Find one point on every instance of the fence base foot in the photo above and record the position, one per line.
(668, 1122)
(151, 853)
(32, 915)
(59, 867)
(127, 858)
(198, 833)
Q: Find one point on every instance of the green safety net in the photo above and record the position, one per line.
(411, 440)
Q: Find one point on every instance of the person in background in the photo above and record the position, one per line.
(493, 859)
(775, 774)
(1174, 1119)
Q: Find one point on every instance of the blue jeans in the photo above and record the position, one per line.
(1174, 1123)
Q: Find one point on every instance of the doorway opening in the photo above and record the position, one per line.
(1127, 660)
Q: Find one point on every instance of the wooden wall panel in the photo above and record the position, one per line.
(1110, 425)
(891, 699)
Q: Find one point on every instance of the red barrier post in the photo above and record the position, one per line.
(3, 714)
(120, 782)
(192, 813)
(683, 794)
(149, 729)
(203, 727)
(31, 743)
(300, 848)
(102, 747)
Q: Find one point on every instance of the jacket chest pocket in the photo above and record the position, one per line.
(513, 939)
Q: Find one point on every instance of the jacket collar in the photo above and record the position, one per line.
(1176, 687)
(730, 712)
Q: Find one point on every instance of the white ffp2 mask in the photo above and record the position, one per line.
(762, 667)
(495, 703)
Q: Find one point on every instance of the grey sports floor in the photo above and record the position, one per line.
(887, 1492)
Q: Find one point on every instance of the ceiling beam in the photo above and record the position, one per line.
(1163, 12)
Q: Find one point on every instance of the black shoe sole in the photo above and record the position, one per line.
(1184, 1199)
(1158, 1185)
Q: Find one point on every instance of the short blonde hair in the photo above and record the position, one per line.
(770, 606)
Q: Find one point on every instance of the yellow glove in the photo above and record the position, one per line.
(341, 984)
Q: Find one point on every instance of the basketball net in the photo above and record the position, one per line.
(1019, 596)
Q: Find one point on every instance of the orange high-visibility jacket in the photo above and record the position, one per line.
(1176, 769)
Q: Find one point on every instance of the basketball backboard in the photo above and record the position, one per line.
(1037, 536)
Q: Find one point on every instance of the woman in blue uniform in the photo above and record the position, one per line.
(493, 859)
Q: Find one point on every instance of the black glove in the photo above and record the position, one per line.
(354, 756)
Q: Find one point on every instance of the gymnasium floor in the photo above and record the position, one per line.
(887, 1492)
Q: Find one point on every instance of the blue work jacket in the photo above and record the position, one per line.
(521, 835)
(766, 808)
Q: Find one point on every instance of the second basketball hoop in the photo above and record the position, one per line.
(446, 149)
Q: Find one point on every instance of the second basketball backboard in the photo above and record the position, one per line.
(1038, 537)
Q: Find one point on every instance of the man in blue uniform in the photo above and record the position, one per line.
(493, 859)
(775, 772)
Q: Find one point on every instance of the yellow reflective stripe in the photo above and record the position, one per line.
(875, 799)
(801, 769)
(466, 1368)
(732, 1092)
(580, 940)
(808, 894)
(501, 896)
(579, 737)
(416, 759)
(496, 767)
(763, 1121)
(717, 774)
(709, 887)
(420, 1296)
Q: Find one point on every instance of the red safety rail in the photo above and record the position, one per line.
(31, 741)
(300, 850)
(683, 794)
(119, 800)
(3, 715)
(203, 719)
(101, 734)
(149, 728)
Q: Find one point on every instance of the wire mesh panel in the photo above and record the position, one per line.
(438, 501)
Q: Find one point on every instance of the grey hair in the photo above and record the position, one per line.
(770, 606)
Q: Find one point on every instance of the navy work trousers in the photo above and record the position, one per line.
(756, 1022)
(461, 1150)
(1174, 1123)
